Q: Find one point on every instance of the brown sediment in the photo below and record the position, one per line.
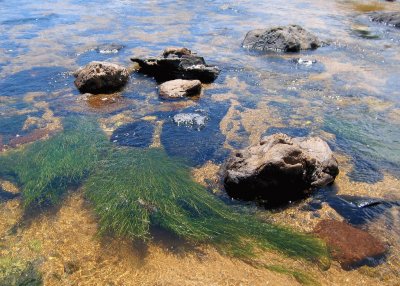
(69, 237)
(110, 124)
(157, 134)
(9, 187)
(368, 7)
(206, 174)
(33, 136)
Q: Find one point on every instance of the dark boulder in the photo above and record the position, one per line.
(280, 169)
(101, 77)
(177, 63)
(350, 246)
(388, 18)
(292, 38)
(179, 88)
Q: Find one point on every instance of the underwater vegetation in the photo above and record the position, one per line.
(45, 170)
(300, 276)
(133, 190)
(18, 273)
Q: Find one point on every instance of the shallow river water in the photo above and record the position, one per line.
(349, 95)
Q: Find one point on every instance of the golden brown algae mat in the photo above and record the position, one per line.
(71, 253)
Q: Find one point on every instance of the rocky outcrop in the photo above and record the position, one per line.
(388, 18)
(177, 63)
(292, 38)
(101, 77)
(350, 246)
(178, 88)
(280, 169)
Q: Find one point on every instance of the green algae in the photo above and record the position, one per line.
(133, 190)
(14, 272)
(136, 189)
(300, 276)
(45, 170)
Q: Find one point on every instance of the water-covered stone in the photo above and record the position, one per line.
(178, 88)
(177, 63)
(350, 246)
(388, 18)
(136, 134)
(195, 136)
(280, 169)
(101, 77)
(291, 38)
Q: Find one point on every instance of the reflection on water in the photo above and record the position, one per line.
(349, 95)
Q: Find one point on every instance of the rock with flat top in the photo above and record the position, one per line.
(179, 88)
(177, 63)
(280, 169)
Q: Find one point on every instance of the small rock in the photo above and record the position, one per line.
(280, 169)
(292, 38)
(179, 88)
(177, 63)
(101, 77)
(350, 246)
(388, 18)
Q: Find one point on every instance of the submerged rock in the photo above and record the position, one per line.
(101, 77)
(388, 18)
(280, 169)
(135, 134)
(292, 38)
(179, 88)
(194, 135)
(350, 246)
(177, 63)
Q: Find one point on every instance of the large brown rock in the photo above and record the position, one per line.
(350, 246)
(292, 38)
(177, 63)
(280, 169)
(101, 77)
(178, 88)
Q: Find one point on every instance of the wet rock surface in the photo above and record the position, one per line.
(101, 77)
(280, 169)
(177, 63)
(291, 38)
(388, 18)
(179, 88)
(350, 246)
